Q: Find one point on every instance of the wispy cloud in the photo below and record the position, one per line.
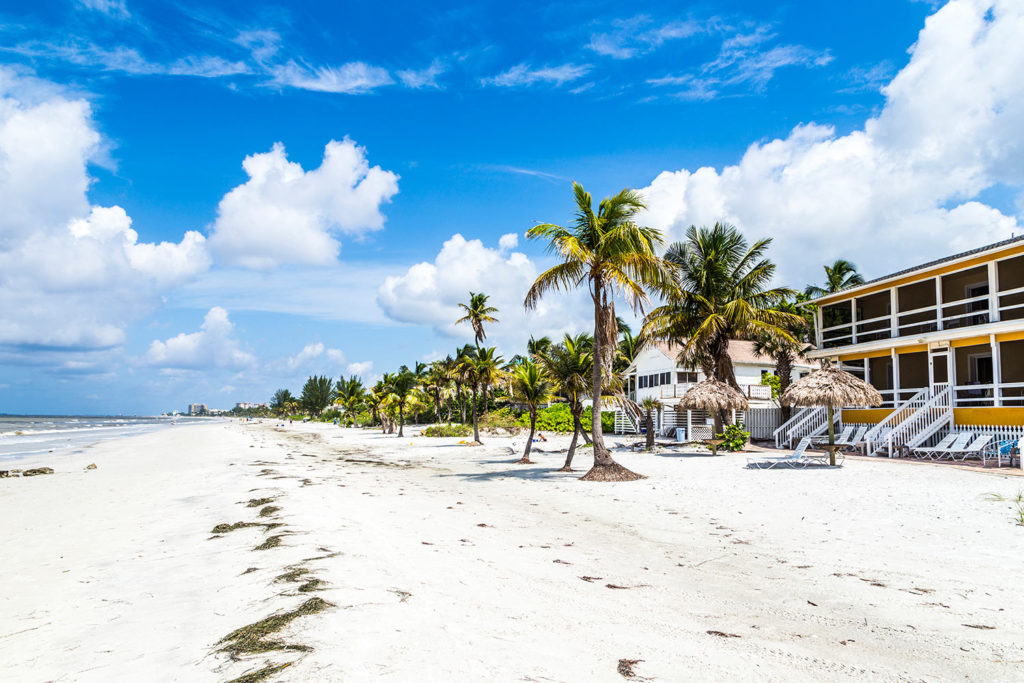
(743, 61)
(423, 78)
(629, 38)
(114, 9)
(868, 78)
(525, 75)
(517, 170)
(350, 78)
(129, 60)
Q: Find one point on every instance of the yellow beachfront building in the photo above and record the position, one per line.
(942, 342)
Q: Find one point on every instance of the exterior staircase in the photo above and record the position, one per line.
(812, 421)
(913, 423)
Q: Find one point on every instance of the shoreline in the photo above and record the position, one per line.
(423, 547)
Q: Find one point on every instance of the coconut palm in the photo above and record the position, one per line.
(489, 371)
(437, 381)
(610, 254)
(785, 351)
(538, 347)
(627, 348)
(401, 385)
(649, 405)
(459, 376)
(569, 365)
(531, 386)
(477, 313)
(723, 291)
(351, 395)
(841, 275)
(469, 375)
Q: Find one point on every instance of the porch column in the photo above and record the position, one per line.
(894, 310)
(997, 369)
(853, 320)
(818, 320)
(993, 296)
(689, 425)
(867, 370)
(938, 302)
(895, 378)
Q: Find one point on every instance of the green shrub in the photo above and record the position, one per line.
(448, 430)
(558, 418)
(503, 418)
(330, 416)
(775, 383)
(735, 438)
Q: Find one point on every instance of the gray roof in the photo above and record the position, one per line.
(930, 264)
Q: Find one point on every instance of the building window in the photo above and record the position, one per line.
(666, 378)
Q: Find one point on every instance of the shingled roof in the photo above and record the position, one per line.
(739, 351)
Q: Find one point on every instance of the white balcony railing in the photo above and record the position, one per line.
(761, 392)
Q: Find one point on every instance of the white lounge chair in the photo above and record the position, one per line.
(842, 438)
(855, 439)
(924, 451)
(958, 445)
(976, 448)
(795, 459)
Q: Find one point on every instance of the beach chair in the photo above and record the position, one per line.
(923, 452)
(959, 444)
(855, 438)
(842, 438)
(795, 459)
(976, 449)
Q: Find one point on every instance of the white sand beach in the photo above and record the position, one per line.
(446, 562)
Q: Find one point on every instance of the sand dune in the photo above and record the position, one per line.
(443, 562)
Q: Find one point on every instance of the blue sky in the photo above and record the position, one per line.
(448, 119)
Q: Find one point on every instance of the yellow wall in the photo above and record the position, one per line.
(996, 417)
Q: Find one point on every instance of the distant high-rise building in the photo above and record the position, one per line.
(197, 409)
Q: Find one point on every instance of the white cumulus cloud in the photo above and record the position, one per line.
(213, 346)
(284, 214)
(362, 368)
(901, 190)
(72, 275)
(429, 293)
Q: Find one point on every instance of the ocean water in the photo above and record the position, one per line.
(23, 436)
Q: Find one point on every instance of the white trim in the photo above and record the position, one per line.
(914, 340)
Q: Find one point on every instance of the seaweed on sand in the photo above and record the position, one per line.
(312, 585)
(271, 542)
(269, 510)
(260, 674)
(293, 574)
(225, 528)
(256, 637)
(258, 502)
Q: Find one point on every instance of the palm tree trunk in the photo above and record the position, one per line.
(605, 468)
(401, 418)
(525, 460)
(437, 404)
(650, 431)
(485, 399)
(567, 467)
(462, 404)
(784, 370)
(476, 431)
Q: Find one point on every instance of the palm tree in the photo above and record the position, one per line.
(401, 386)
(530, 385)
(570, 366)
(722, 292)
(841, 275)
(436, 381)
(785, 351)
(282, 397)
(649, 404)
(610, 254)
(477, 313)
(351, 394)
(317, 394)
(538, 347)
(468, 373)
(627, 349)
(459, 376)
(489, 371)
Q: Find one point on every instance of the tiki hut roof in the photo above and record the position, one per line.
(831, 386)
(712, 395)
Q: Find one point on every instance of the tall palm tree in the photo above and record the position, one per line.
(538, 347)
(469, 375)
(841, 275)
(530, 385)
(477, 313)
(610, 254)
(649, 404)
(460, 376)
(723, 291)
(489, 372)
(437, 381)
(402, 385)
(570, 366)
(351, 394)
(785, 351)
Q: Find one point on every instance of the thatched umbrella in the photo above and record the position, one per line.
(713, 396)
(832, 388)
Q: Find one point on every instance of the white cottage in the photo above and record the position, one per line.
(656, 373)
